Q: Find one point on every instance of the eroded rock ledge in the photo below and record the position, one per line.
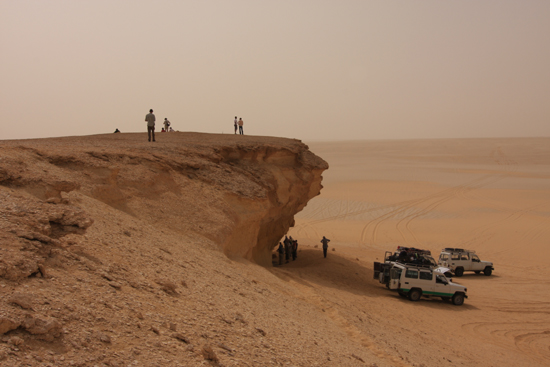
(240, 191)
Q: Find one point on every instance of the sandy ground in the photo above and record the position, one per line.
(147, 283)
(487, 195)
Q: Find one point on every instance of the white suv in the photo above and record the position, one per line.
(460, 260)
(415, 282)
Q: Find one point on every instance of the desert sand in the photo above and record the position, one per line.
(487, 195)
(118, 252)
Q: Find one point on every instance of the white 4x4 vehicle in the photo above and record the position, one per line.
(460, 260)
(415, 282)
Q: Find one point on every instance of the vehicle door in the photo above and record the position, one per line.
(395, 278)
(426, 281)
(441, 286)
(455, 261)
(476, 263)
(465, 261)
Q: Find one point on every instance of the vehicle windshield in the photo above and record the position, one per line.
(441, 279)
(430, 259)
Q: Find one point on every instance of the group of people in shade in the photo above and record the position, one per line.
(289, 248)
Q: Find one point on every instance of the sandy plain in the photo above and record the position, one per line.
(148, 285)
(487, 195)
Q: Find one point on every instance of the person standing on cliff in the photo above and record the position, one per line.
(150, 118)
(325, 242)
(241, 126)
(281, 251)
(236, 123)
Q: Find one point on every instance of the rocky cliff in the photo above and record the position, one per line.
(116, 250)
(241, 192)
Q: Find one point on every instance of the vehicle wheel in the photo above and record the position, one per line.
(458, 299)
(446, 299)
(414, 295)
(459, 271)
(478, 271)
(488, 271)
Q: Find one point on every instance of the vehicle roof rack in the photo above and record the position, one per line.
(452, 249)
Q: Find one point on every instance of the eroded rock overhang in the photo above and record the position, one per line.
(242, 192)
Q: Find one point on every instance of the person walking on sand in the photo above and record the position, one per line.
(236, 124)
(241, 126)
(150, 118)
(166, 124)
(294, 249)
(281, 251)
(325, 242)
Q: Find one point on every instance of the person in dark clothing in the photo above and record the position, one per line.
(325, 242)
(294, 249)
(150, 118)
(281, 251)
(287, 248)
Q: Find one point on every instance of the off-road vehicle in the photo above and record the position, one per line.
(460, 260)
(415, 282)
(415, 256)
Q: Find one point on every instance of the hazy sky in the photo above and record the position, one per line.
(312, 70)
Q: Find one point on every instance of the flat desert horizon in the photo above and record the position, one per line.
(491, 196)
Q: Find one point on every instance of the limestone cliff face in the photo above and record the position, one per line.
(287, 178)
(241, 192)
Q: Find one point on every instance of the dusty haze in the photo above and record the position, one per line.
(313, 70)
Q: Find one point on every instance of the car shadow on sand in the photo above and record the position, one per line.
(353, 276)
(334, 271)
(435, 303)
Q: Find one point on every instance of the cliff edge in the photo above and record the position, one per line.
(240, 192)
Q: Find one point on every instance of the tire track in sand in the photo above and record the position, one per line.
(432, 201)
(441, 197)
(530, 339)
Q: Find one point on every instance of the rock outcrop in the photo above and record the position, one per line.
(117, 251)
(240, 192)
